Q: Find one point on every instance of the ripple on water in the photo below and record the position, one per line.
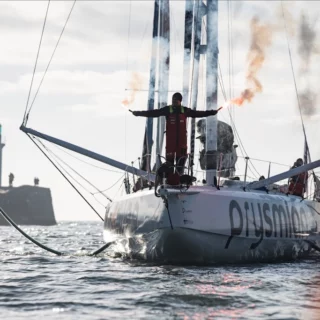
(38, 284)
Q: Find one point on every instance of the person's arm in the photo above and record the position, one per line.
(200, 114)
(150, 113)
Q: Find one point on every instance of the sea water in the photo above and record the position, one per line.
(36, 284)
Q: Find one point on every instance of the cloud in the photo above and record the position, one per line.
(80, 100)
(96, 33)
(69, 82)
(294, 120)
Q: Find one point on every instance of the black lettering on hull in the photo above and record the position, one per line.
(246, 207)
(295, 222)
(269, 220)
(289, 220)
(234, 207)
(278, 212)
(266, 209)
(259, 231)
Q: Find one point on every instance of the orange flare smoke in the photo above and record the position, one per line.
(260, 40)
(135, 85)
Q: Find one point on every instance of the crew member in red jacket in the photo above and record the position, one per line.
(297, 183)
(176, 130)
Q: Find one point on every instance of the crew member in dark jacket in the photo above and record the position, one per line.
(298, 182)
(176, 130)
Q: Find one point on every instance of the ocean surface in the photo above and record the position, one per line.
(36, 284)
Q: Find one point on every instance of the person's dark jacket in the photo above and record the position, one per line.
(165, 111)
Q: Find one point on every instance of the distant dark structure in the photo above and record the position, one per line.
(11, 178)
(36, 181)
(25, 205)
(1, 147)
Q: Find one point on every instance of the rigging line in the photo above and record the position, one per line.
(125, 136)
(59, 159)
(101, 204)
(229, 51)
(293, 74)
(121, 177)
(86, 180)
(191, 89)
(42, 245)
(232, 122)
(45, 72)
(222, 86)
(232, 61)
(268, 161)
(192, 61)
(233, 125)
(125, 115)
(25, 117)
(312, 196)
(27, 236)
(62, 168)
(112, 185)
(144, 34)
(238, 137)
(120, 186)
(128, 39)
(231, 74)
(242, 149)
(65, 177)
(88, 163)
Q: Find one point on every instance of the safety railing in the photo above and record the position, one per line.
(244, 169)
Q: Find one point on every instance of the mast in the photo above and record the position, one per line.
(188, 23)
(212, 87)
(199, 13)
(164, 67)
(147, 141)
(1, 147)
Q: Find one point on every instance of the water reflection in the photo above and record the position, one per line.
(312, 298)
(225, 296)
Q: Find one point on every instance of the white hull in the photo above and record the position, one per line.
(210, 225)
(187, 246)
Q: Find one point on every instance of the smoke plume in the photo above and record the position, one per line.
(306, 50)
(135, 85)
(306, 44)
(261, 39)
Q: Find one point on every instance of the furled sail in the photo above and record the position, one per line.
(147, 141)
(164, 68)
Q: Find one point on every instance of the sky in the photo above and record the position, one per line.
(105, 45)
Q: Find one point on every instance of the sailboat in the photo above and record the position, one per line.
(222, 219)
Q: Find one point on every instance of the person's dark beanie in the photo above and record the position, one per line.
(177, 96)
